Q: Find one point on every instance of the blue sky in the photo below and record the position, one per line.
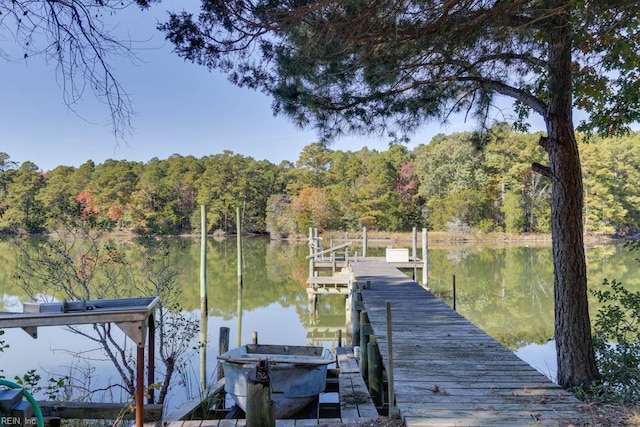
(181, 108)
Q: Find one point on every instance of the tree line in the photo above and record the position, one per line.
(460, 182)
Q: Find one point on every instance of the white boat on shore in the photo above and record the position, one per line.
(297, 374)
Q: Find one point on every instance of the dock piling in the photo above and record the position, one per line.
(376, 388)
(425, 256)
(355, 314)
(261, 410)
(223, 347)
(393, 410)
(364, 340)
(453, 294)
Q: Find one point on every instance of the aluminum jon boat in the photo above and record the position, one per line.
(298, 374)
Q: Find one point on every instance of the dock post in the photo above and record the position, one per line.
(425, 256)
(376, 388)
(348, 314)
(355, 314)
(414, 252)
(393, 411)
(223, 347)
(254, 337)
(364, 242)
(204, 303)
(261, 410)
(364, 340)
(453, 293)
(239, 279)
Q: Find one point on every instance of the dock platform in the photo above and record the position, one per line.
(447, 372)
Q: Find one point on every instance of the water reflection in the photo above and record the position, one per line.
(507, 292)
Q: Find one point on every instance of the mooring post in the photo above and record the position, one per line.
(254, 337)
(393, 411)
(204, 303)
(376, 388)
(223, 347)
(355, 314)
(348, 315)
(239, 281)
(364, 340)
(414, 252)
(425, 255)
(261, 410)
(364, 242)
(454, 293)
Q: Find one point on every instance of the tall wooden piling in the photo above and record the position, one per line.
(425, 256)
(453, 291)
(223, 347)
(239, 274)
(364, 242)
(374, 366)
(364, 340)
(204, 304)
(261, 410)
(414, 252)
(356, 302)
(393, 410)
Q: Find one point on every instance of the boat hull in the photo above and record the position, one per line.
(297, 374)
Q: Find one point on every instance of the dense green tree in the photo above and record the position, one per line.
(59, 192)
(112, 184)
(25, 212)
(386, 66)
(375, 195)
(232, 181)
(514, 214)
(7, 168)
(508, 157)
(452, 168)
(610, 167)
(182, 173)
(345, 169)
(312, 166)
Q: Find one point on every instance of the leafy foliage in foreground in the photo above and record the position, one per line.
(616, 340)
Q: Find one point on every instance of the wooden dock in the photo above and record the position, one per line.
(447, 372)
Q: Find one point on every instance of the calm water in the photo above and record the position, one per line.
(507, 292)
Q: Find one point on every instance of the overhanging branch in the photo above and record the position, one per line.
(542, 170)
(527, 99)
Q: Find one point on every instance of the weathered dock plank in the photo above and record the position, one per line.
(448, 372)
(356, 405)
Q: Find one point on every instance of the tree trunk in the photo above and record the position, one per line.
(576, 360)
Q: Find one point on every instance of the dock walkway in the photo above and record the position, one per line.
(447, 372)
